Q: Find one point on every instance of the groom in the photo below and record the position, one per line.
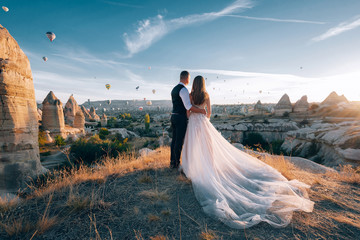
(181, 103)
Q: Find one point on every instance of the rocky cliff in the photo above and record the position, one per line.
(19, 149)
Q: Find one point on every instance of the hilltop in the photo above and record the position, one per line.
(141, 198)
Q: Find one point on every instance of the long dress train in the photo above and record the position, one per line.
(234, 187)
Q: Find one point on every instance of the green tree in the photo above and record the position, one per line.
(147, 122)
(59, 140)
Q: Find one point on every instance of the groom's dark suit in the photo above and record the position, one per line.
(178, 124)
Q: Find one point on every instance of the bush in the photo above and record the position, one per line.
(59, 141)
(95, 148)
(304, 122)
(286, 114)
(275, 147)
(255, 140)
(314, 106)
(42, 138)
(103, 133)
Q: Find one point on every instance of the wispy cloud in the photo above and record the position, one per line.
(122, 4)
(152, 30)
(341, 28)
(275, 19)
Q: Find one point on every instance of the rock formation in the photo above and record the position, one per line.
(19, 149)
(259, 109)
(334, 99)
(53, 115)
(329, 144)
(301, 105)
(94, 115)
(103, 120)
(71, 108)
(48, 138)
(283, 106)
(86, 114)
(79, 121)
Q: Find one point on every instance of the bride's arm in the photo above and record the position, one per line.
(188, 112)
(208, 107)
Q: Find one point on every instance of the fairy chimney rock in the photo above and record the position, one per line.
(52, 114)
(301, 105)
(79, 120)
(94, 115)
(103, 120)
(86, 113)
(283, 106)
(71, 107)
(334, 99)
(19, 149)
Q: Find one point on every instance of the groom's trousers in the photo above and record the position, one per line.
(178, 124)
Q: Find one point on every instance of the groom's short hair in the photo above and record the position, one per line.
(184, 75)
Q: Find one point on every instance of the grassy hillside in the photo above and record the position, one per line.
(141, 198)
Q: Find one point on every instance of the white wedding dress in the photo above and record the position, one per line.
(234, 187)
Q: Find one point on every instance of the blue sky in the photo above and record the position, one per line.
(246, 49)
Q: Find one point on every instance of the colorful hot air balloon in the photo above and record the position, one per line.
(109, 102)
(260, 91)
(141, 108)
(45, 59)
(5, 9)
(51, 36)
(144, 98)
(137, 88)
(108, 86)
(149, 67)
(153, 91)
(149, 103)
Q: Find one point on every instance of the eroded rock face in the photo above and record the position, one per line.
(103, 120)
(19, 149)
(53, 115)
(283, 106)
(331, 144)
(94, 115)
(301, 105)
(86, 113)
(71, 108)
(334, 99)
(79, 121)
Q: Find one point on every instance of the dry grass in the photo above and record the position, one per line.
(145, 179)
(17, 226)
(208, 234)
(182, 178)
(153, 218)
(336, 197)
(7, 205)
(346, 174)
(155, 195)
(125, 163)
(158, 237)
(166, 212)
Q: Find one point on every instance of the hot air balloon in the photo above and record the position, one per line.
(127, 102)
(100, 104)
(144, 98)
(260, 91)
(140, 108)
(153, 91)
(109, 102)
(108, 86)
(149, 68)
(137, 88)
(51, 36)
(5, 9)
(45, 59)
(149, 103)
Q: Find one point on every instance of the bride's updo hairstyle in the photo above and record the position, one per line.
(198, 92)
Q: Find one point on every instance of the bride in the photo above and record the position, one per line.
(230, 185)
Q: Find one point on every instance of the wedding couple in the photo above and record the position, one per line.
(230, 185)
